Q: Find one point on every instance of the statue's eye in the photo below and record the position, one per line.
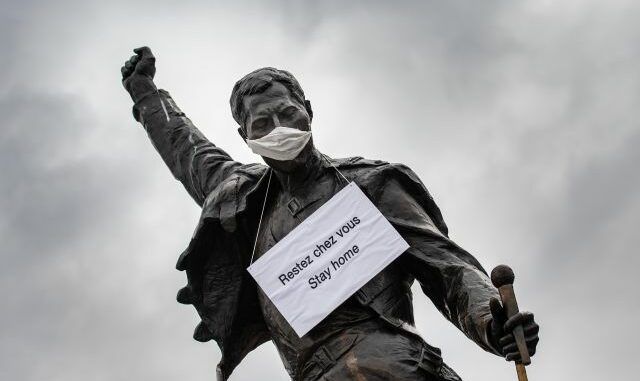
(259, 124)
(288, 112)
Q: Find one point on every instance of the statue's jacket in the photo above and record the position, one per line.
(231, 195)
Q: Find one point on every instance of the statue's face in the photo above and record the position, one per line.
(272, 108)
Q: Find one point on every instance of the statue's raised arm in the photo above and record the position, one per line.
(192, 159)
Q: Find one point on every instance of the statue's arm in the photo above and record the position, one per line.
(452, 278)
(193, 160)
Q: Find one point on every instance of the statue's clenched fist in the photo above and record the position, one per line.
(138, 71)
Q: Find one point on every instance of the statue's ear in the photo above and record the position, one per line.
(307, 105)
(243, 134)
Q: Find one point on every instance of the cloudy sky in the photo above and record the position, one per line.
(521, 118)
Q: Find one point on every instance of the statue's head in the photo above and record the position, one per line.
(268, 98)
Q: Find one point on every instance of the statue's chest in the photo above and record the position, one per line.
(289, 210)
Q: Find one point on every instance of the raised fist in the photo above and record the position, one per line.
(141, 65)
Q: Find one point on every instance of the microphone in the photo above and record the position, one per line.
(502, 278)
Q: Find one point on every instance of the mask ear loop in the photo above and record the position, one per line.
(264, 203)
(334, 167)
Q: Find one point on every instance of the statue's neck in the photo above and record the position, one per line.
(294, 181)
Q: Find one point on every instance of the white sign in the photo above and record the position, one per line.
(327, 258)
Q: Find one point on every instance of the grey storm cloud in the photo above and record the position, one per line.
(521, 118)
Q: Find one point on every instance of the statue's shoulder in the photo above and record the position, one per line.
(242, 179)
(229, 196)
(249, 172)
(377, 176)
(363, 169)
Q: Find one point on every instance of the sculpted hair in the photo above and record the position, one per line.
(258, 81)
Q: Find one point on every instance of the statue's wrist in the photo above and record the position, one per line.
(139, 86)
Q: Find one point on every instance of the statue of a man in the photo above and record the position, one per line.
(371, 336)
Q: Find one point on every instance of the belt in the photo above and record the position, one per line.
(327, 355)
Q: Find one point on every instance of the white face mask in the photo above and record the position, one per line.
(282, 143)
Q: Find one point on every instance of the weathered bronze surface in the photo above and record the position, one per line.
(370, 336)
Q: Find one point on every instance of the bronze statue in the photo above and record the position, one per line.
(371, 335)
